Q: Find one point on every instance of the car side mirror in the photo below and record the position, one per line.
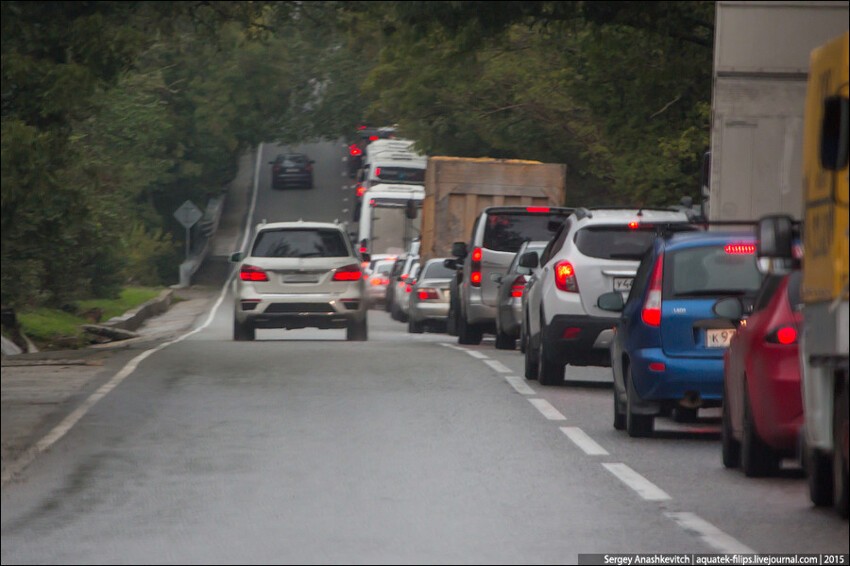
(496, 278)
(612, 302)
(529, 260)
(776, 236)
(730, 308)
(459, 250)
(450, 264)
(236, 257)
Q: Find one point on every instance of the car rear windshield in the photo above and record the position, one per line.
(401, 174)
(710, 271)
(506, 231)
(300, 243)
(614, 242)
(437, 270)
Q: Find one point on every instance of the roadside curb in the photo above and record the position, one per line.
(133, 319)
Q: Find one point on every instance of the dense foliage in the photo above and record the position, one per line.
(114, 113)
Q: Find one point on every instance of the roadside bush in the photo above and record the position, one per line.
(152, 256)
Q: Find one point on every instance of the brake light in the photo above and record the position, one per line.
(565, 277)
(363, 249)
(634, 224)
(651, 312)
(373, 138)
(657, 366)
(371, 202)
(408, 288)
(538, 209)
(475, 273)
(276, 168)
(377, 171)
(571, 333)
(361, 127)
(361, 190)
(354, 150)
(404, 276)
(428, 294)
(785, 335)
(252, 273)
(348, 273)
(518, 286)
(740, 249)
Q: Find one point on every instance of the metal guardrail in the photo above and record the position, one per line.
(201, 235)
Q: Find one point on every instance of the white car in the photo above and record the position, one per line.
(596, 251)
(429, 299)
(299, 275)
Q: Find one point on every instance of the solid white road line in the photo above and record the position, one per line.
(645, 488)
(583, 441)
(711, 535)
(476, 354)
(547, 410)
(60, 430)
(520, 385)
(498, 366)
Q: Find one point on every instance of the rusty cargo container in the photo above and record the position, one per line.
(457, 189)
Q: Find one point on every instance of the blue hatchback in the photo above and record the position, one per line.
(667, 352)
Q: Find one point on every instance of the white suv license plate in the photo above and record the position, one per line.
(623, 284)
(719, 338)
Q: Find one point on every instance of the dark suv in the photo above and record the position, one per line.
(292, 169)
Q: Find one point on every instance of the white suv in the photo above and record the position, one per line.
(596, 251)
(299, 275)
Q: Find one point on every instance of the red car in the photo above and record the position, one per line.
(762, 400)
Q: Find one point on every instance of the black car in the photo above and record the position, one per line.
(292, 170)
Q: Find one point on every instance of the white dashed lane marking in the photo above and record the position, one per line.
(583, 441)
(645, 488)
(520, 385)
(547, 410)
(498, 366)
(477, 355)
(711, 535)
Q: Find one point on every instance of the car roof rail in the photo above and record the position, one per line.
(582, 212)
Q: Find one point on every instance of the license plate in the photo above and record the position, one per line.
(623, 284)
(719, 338)
(293, 170)
(300, 279)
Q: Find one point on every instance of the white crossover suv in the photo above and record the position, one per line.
(299, 275)
(596, 251)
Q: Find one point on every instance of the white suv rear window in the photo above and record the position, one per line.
(297, 242)
(614, 242)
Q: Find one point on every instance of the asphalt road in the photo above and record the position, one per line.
(301, 447)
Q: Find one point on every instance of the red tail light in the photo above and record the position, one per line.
(537, 209)
(360, 190)
(354, 150)
(347, 273)
(252, 273)
(785, 335)
(377, 171)
(428, 294)
(363, 249)
(408, 288)
(651, 312)
(518, 286)
(740, 249)
(373, 138)
(634, 224)
(404, 276)
(565, 277)
(475, 273)
(657, 366)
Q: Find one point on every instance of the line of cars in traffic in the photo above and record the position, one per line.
(679, 310)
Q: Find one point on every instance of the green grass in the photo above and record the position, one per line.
(56, 328)
(130, 298)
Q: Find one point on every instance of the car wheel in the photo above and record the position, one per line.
(243, 331)
(619, 415)
(414, 327)
(730, 448)
(637, 425)
(841, 486)
(504, 342)
(467, 333)
(357, 330)
(549, 372)
(530, 359)
(395, 313)
(451, 321)
(757, 458)
(685, 415)
(819, 474)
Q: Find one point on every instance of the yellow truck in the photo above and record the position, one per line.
(824, 343)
